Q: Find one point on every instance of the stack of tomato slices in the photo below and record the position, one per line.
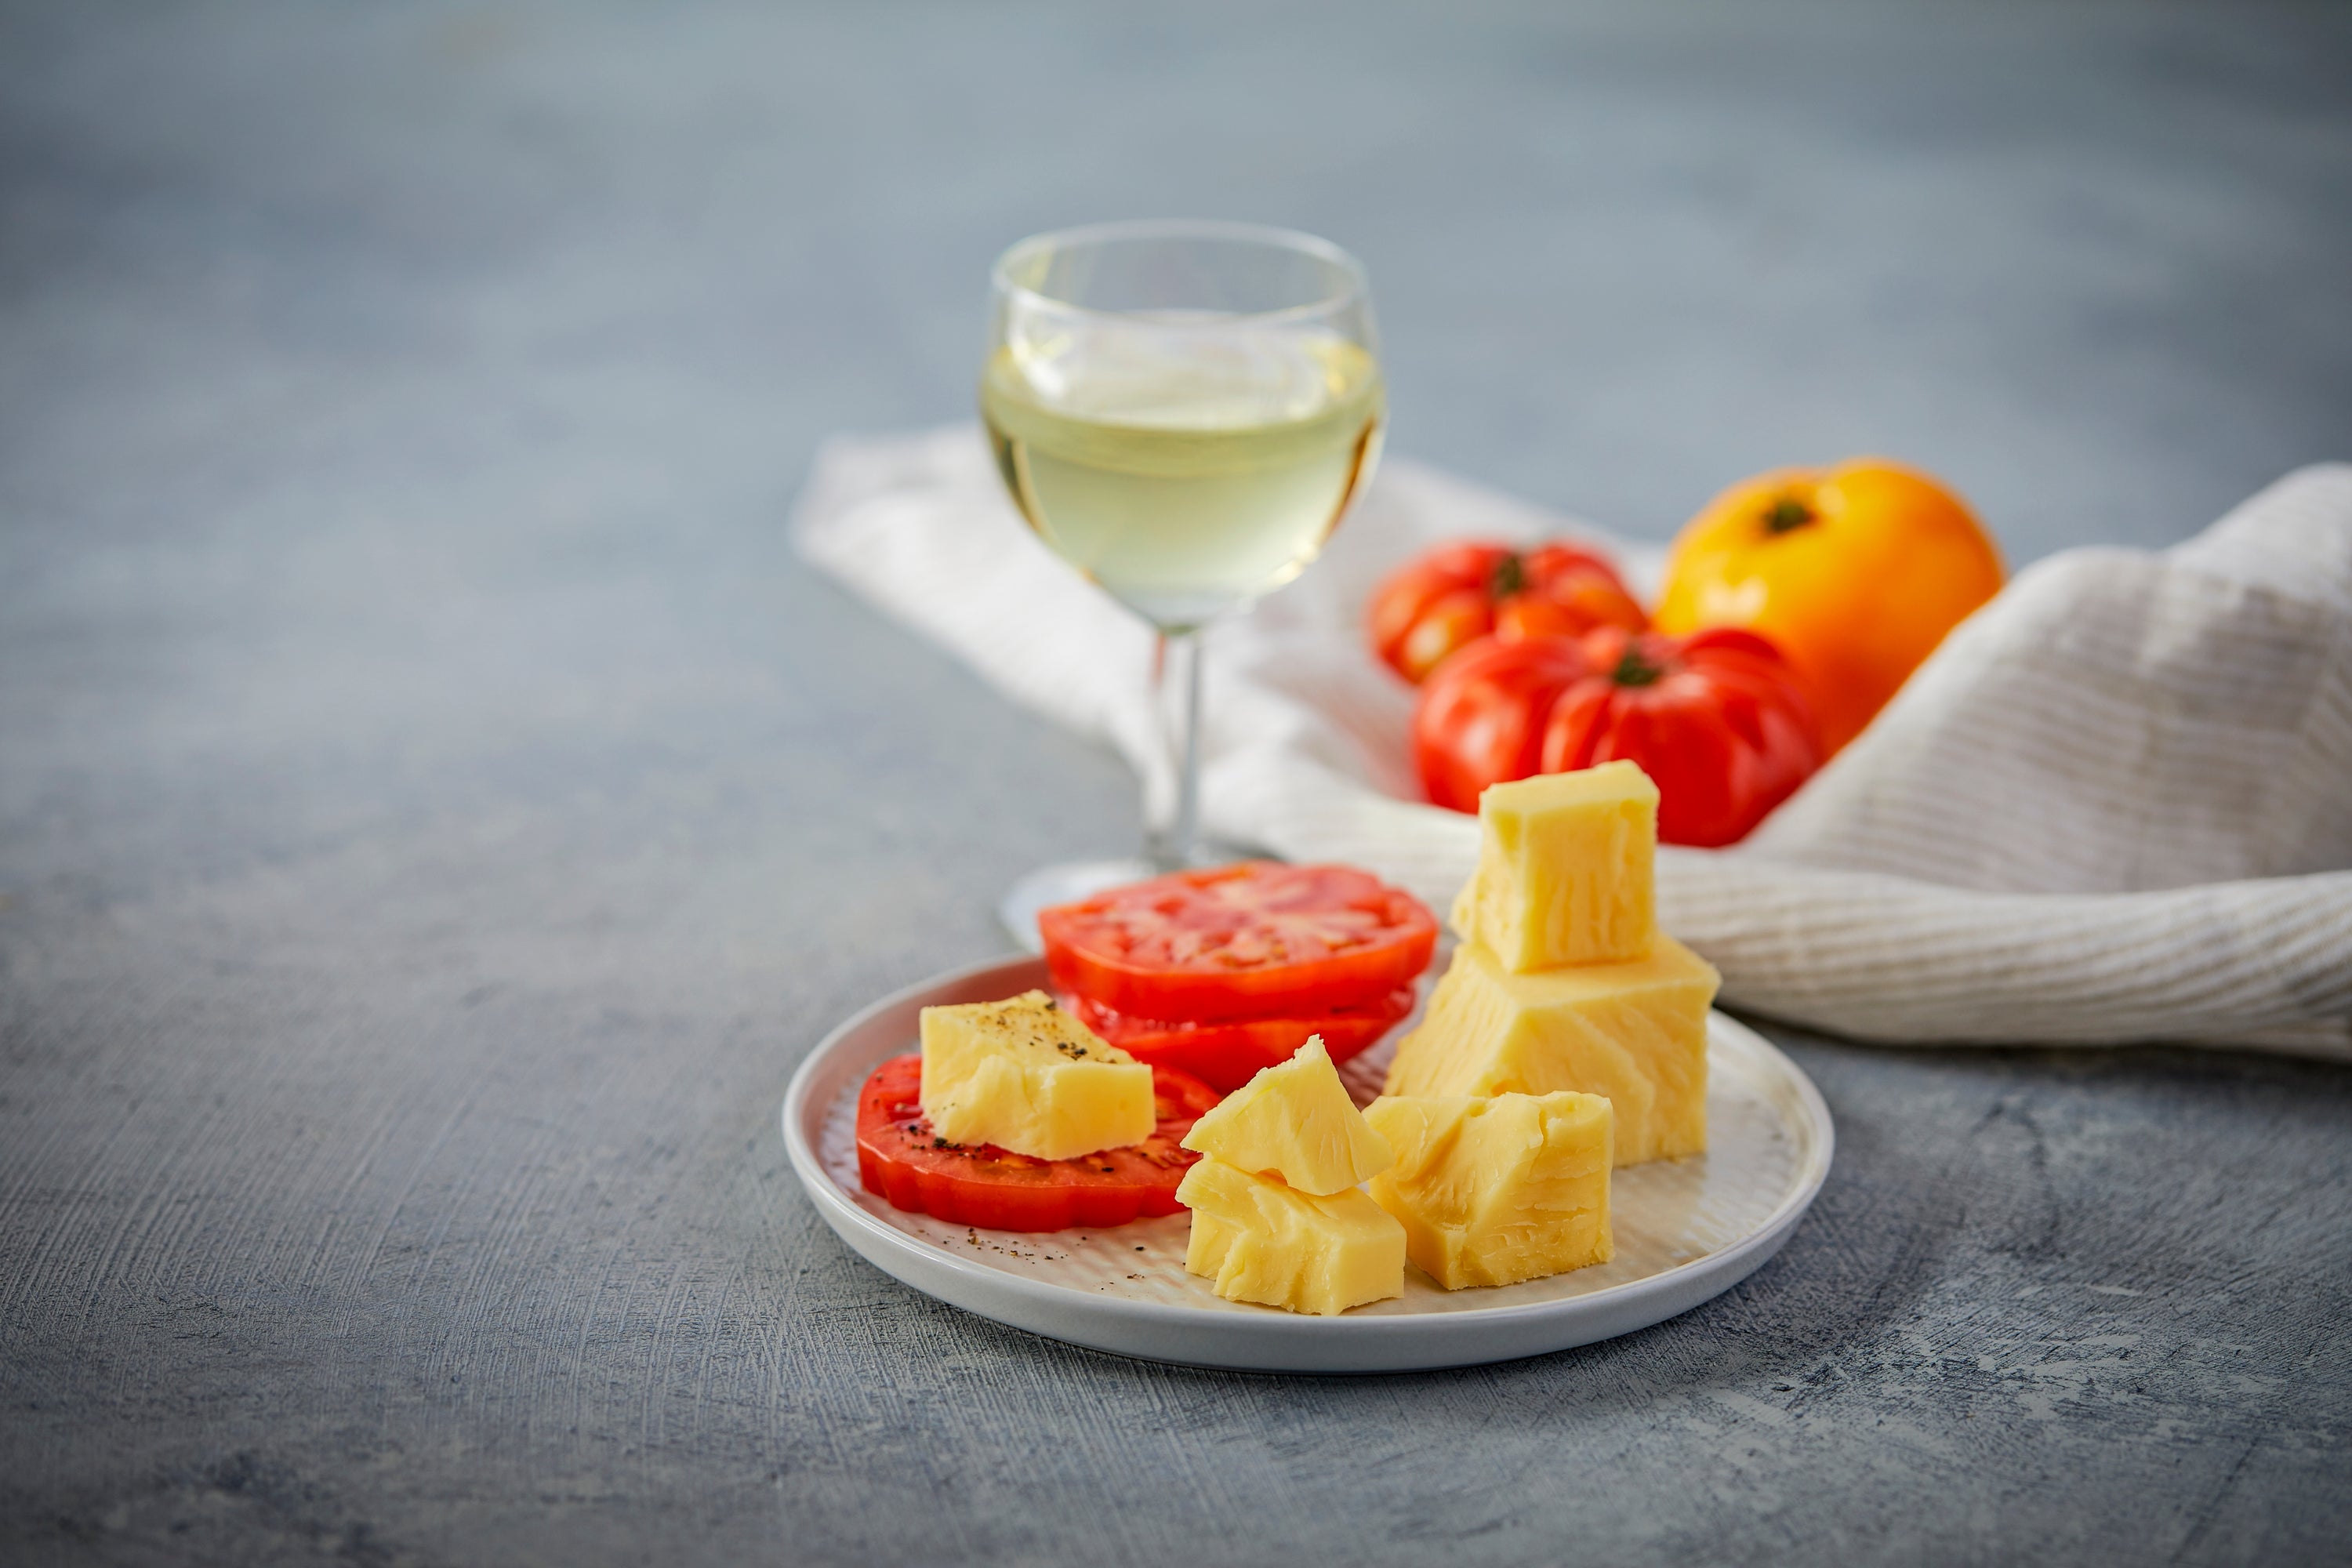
(1222, 971)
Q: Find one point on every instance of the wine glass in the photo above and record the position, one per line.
(1182, 410)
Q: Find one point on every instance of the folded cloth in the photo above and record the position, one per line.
(2114, 806)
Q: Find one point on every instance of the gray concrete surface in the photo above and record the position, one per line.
(436, 812)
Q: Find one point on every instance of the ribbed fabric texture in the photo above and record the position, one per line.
(2114, 806)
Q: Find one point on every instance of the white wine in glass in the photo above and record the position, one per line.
(1183, 412)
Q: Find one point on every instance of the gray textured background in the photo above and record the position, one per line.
(436, 812)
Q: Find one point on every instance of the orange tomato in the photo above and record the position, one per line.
(1855, 573)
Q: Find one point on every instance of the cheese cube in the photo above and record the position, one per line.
(1564, 869)
(1026, 1076)
(1635, 1033)
(1261, 1241)
(1294, 1120)
(1494, 1191)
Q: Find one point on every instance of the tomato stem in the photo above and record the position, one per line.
(1510, 577)
(1636, 670)
(1786, 515)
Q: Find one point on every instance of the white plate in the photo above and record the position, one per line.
(1686, 1230)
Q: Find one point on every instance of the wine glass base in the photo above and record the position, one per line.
(1064, 882)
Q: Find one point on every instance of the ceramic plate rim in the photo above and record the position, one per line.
(1390, 1333)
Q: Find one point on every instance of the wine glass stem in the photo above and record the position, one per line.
(1173, 846)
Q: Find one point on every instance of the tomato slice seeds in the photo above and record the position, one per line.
(1259, 939)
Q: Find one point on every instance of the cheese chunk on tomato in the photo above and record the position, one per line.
(1564, 869)
(1492, 1191)
(1026, 1076)
(1633, 1033)
(1258, 1240)
(1295, 1120)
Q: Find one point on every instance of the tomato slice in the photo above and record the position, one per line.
(901, 1160)
(1259, 939)
(1227, 1053)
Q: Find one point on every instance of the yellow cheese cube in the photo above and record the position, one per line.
(1294, 1120)
(1261, 1241)
(1564, 869)
(1635, 1033)
(1494, 1191)
(1026, 1076)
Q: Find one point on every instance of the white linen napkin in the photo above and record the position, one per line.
(2114, 806)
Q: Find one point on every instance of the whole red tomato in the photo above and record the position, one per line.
(1718, 719)
(1480, 718)
(1456, 593)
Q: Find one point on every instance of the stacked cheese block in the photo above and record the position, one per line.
(1562, 979)
(1569, 1034)
(1277, 1213)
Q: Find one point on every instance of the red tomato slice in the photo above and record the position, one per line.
(900, 1160)
(1226, 1055)
(1255, 939)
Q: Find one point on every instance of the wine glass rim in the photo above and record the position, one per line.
(1267, 234)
